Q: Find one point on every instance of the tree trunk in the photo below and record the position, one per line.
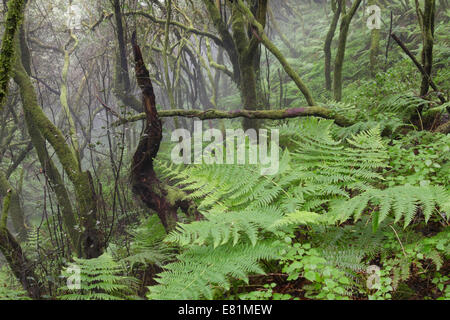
(165, 200)
(329, 40)
(428, 43)
(91, 245)
(246, 49)
(17, 261)
(14, 18)
(340, 55)
(260, 36)
(19, 264)
(122, 83)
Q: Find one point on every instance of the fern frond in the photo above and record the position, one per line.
(218, 229)
(402, 201)
(100, 279)
(201, 269)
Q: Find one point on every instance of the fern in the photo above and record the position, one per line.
(220, 229)
(100, 279)
(401, 201)
(321, 181)
(299, 218)
(230, 187)
(10, 289)
(329, 169)
(202, 269)
(404, 104)
(147, 247)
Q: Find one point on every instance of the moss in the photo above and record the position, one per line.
(248, 75)
(327, 47)
(239, 35)
(14, 18)
(227, 39)
(315, 111)
(428, 18)
(174, 195)
(277, 53)
(56, 181)
(21, 267)
(88, 244)
(342, 44)
(5, 211)
(40, 120)
(26, 55)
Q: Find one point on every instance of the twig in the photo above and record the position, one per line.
(398, 238)
(114, 113)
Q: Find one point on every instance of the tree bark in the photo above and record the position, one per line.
(428, 43)
(122, 84)
(329, 40)
(14, 18)
(320, 112)
(165, 200)
(262, 37)
(340, 55)
(90, 239)
(17, 261)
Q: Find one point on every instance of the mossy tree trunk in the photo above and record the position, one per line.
(220, 25)
(342, 43)
(320, 112)
(260, 36)
(64, 96)
(426, 20)
(243, 48)
(39, 144)
(9, 246)
(20, 265)
(170, 88)
(246, 65)
(13, 20)
(337, 8)
(38, 141)
(90, 240)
